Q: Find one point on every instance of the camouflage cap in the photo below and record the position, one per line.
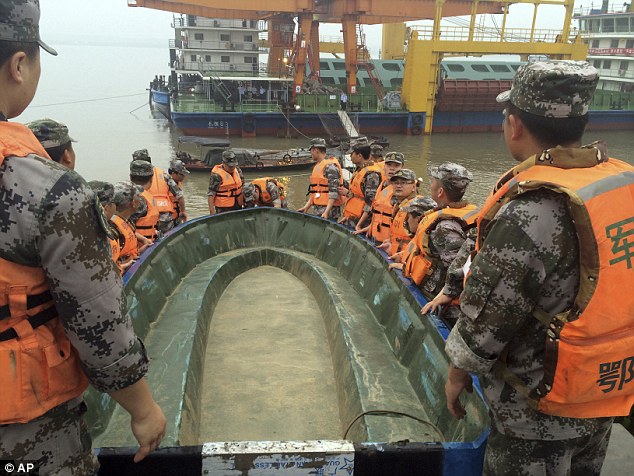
(20, 21)
(179, 167)
(376, 150)
(358, 143)
(553, 88)
(141, 168)
(50, 133)
(395, 157)
(124, 193)
(229, 157)
(104, 191)
(141, 154)
(317, 142)
(420, 205)
(404, 174)
(248, 192)
(451, 174)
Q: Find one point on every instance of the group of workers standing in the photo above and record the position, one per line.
(539, 288)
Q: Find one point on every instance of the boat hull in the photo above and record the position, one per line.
(384, 355)
(160, 101)
(276, 124)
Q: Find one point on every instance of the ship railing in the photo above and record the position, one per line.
(257, 105)
(615, 7)
(330, 103)
(193, 105)
(214, 45)
(612, 100)
(616, 73)
(458, 33)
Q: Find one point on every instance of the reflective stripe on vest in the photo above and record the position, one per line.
(589, 355)
(418, 262)
(161, 192)
(356, 203)
(319, 183)
(127, 238)
(230, 191)
(382, 210)
(399, 234)
(146, 225)
(265, 196)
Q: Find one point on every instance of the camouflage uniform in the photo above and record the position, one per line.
(448, 236)
(248, 190)
(331, 172)
(50, 133)
(215, 181)
(529, 259)
(51, 220)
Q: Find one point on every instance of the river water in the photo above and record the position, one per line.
(100, 92)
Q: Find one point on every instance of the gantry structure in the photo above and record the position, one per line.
(426, 46)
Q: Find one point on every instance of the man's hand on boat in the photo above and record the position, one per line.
(457, 381)
(395, 266)
(384, 246)
(435, 305)
(146, 417)
(358, 230)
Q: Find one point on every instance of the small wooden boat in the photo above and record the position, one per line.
(210, 154)
(281, 344)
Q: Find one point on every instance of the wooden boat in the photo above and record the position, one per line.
(210, 151)
(281, 344)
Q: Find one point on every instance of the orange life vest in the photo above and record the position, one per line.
(40, 369)
(146, 225)
(356, 202)
(319, 183)
(161, 192)
(128, 242)
(418, 262)
(382, 210)
(399, 234)
(230, 191)
(589, 355)
(265, 196)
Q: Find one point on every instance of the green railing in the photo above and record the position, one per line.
(612, 100)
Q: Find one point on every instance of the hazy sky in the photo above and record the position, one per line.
(112, 21)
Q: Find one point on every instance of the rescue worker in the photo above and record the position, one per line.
(383, 204)
(264, 192)
(62, 305)
(54, 138)
(404, 183)
(162, 188)
(225, 185)
(363, 185)
(325, 181)
(105, 193)
(443, 232)
(547, 302)
(146, 216)
(416, 209)
(376, 153)
(132, 243)
(177, 172)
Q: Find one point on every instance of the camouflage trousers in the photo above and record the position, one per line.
(509, 456)
(165, 223)
(58, 442)
(335, 212)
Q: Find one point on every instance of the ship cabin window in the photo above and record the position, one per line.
(225, 59)
(339, 66)
(632, 23)
(595, 43)
(248, 38)
(607, 25)
(516, 66)
(250, 59)
(244, 23)
(327, 80)
(324, 66)
(208, 58)
(597, 64)
(630, 43)
(396, 82)
(391, 66)
(193, 58)
(225, 37)
(455, 68)
(500, 68)
(614, 43)
(623, 66)
(607, 64)
(198, 36)
(480, 68)
(622, 24)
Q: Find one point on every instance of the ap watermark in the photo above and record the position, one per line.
(8, 468)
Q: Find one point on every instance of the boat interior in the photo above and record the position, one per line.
(268, 324)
